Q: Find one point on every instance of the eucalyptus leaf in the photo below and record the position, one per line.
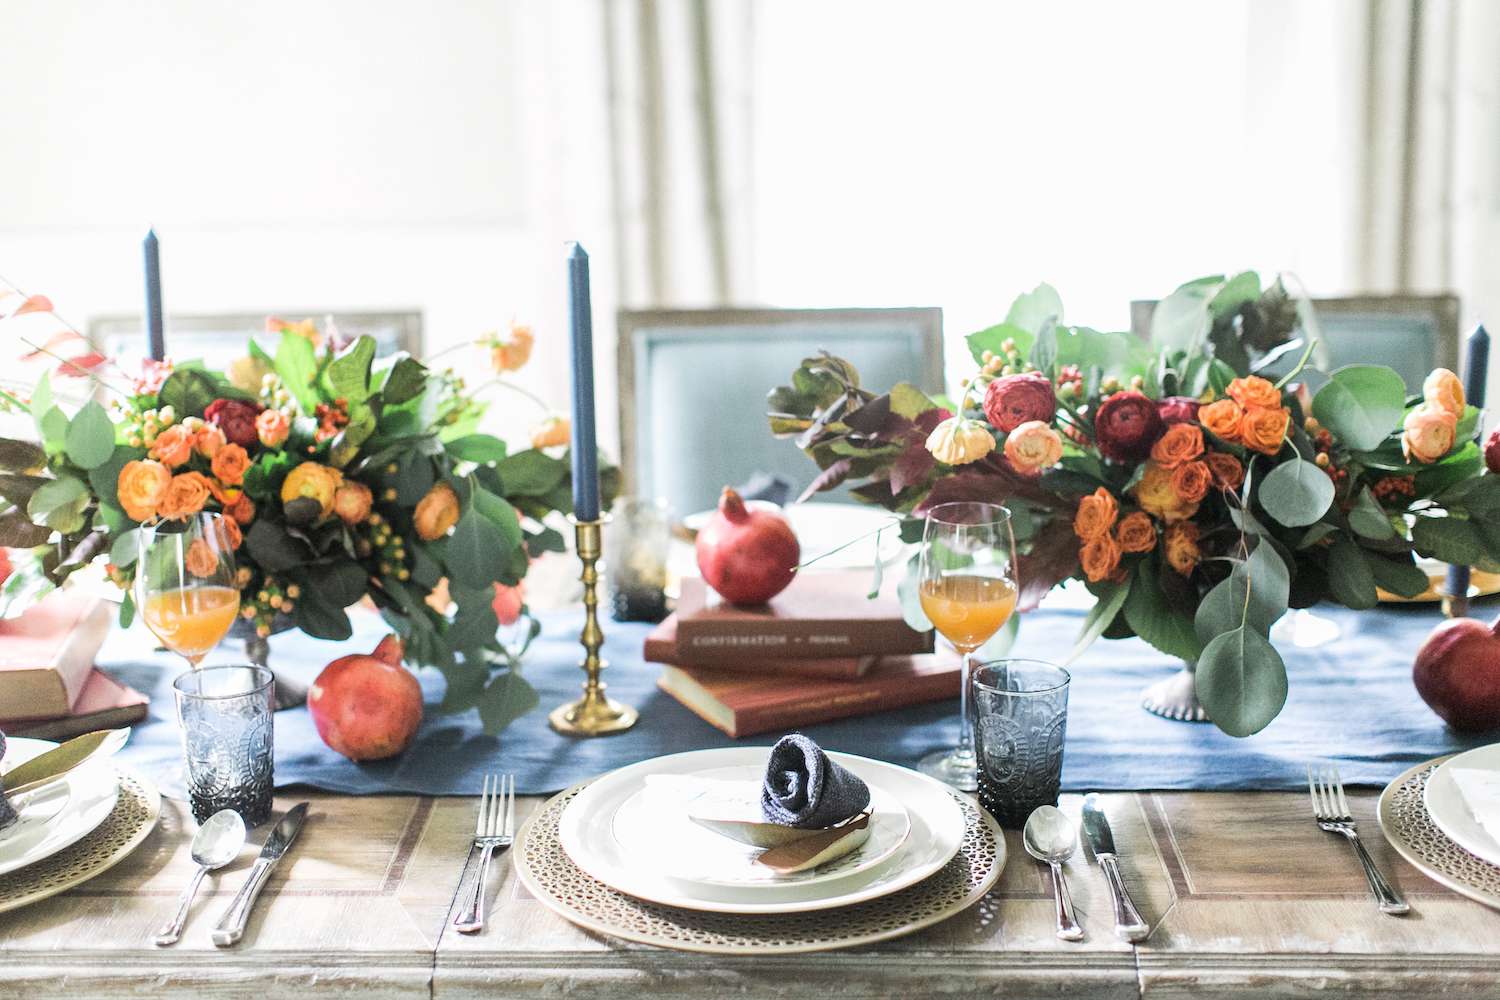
(1368, 519)
(348, 374)
(993, 338)
(1361, 404)
(90, 437)
(1452, 540)
(59, 504)
(477, 448)
(507, 697)
(1107, 605)
(320, 619)
(297, 364)
(1296, 493)
(1401, 577)
(1181, 321)
(1154, 618)
(477, 550)
(530, 473)
(1036, 309)
(188, 391)
(1241, 681)
(123, 550)
(1350, 579)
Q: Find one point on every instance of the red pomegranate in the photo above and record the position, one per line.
(1458, 674)
(747, 555)
(367, 707)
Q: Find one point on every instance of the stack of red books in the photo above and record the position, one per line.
(822, 649)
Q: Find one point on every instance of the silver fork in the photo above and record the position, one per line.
(494, 831)
(1331, 810)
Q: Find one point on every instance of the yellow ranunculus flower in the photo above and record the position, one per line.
(312, 481)
(436, 512)
(957, 441)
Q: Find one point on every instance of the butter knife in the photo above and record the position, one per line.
(231, 926)
(56, 763)
(1128, 922)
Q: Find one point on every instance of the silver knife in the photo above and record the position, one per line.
(1128, 922)
(231, 926)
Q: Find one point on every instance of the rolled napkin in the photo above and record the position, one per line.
(807, 790)
(7, 814)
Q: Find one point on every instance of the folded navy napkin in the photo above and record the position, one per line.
(804, 789)
(7, 814)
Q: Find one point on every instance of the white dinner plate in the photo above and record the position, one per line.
(92, 791)
(1450, 813)
(654, 823)
(587, 833)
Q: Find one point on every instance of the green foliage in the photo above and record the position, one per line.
(20, 456)
(1157, 619)
(90, 438)
(479, 448)
(1296, 493)
(993, 338)
(1361, 404)
(406, 378)
(297, 365)
(189, 391)
(1111, 598)
(60, 504)
(1039, 308)
(348, 374)
(506, 698)
(1241, 680)
(1367, 518)
(1350, 579)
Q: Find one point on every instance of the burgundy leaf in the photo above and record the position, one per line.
(828, 478)
(1052, 559)
(912, 467)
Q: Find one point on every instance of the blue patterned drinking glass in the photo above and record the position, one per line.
(1020, 721)
(227, 715)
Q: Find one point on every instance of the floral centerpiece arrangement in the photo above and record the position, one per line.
(1194, 490)
(340, 478)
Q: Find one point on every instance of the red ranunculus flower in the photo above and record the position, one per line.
(1178, 410)
(236, 418)
(1012, 400)
(1126, 426)
(1492, 451)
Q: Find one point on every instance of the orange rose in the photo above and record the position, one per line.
(1253, 391)
(1443, 391)
(201, 559)
(186, 494)
(1191, 480)
(351, 502)
(1156, 495)
(141, 486)
(1228, 473)
(207, 440)
(1264, 430)
(229, 532)
(173, 446)
(1096, 515)
(226, 495)
(1181, 443)
(1222, 419)
(1032, 447)
(1100, 557)
(511, 353)
(1136, 532)
(436, 512)
(1427, 433)
(230, 463)
(272, 427)
(552, 433)
(314, 482)
(1182, 547)
(242, 509)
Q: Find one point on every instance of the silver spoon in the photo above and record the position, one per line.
(1051, 838)
(217, 843)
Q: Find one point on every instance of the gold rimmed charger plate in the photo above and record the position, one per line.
(134, 816)
(1410, 830)
(552, 877)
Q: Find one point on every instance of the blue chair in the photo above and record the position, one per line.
(693, 387)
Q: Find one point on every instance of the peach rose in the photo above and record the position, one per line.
(1227, 471)
(1182, 547)
(314, 482)
(201, 559)
(173, 446)
(1136, 532)
(1156, 495)
(242, 509)
(511, 353)
(957, 441)
(1181, 443)
(1100, 557)
(207, 440)
(230, 463)
(272, 427)
(1096, 514)
(1443, 391)
(351, 502)
(1032, 447)
(1252, 391)
(141, 486)
(229, 532)
(1264, 430)
(186, 494)
(552, 433)
(1427, 433)
(436, 512)
(1191, 480)
(1222, 419)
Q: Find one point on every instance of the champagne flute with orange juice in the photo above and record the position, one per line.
(185, 584)
(968, 590)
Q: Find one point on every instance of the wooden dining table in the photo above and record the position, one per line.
(1244, 894)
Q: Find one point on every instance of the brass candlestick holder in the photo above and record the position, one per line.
(593, 714)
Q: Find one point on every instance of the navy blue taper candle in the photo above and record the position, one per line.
(1476, 371)
(154, 331)
(585, 448)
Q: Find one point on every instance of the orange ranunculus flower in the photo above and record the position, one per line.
(201, 559)
(141, 486)
(436, 512)
(1191, 480)
(229, 464)
(242, 509)
(1427, 433)
(1228, 473)
(1222, 419)
(186, 494)
(1442, 390)
(1252, 391)
(207, 439)
(1264, 430)
(1032, 447)
(1157, 496)
(226, 495)
(1100, 557)
(229, 531)
(1136, 532)
(312, 481)
(173, 446)
(1181, 443)
(552, 433)
(1182, 547)
(351, 502)
(272, 427)
(511, 353)
(1096, 515)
